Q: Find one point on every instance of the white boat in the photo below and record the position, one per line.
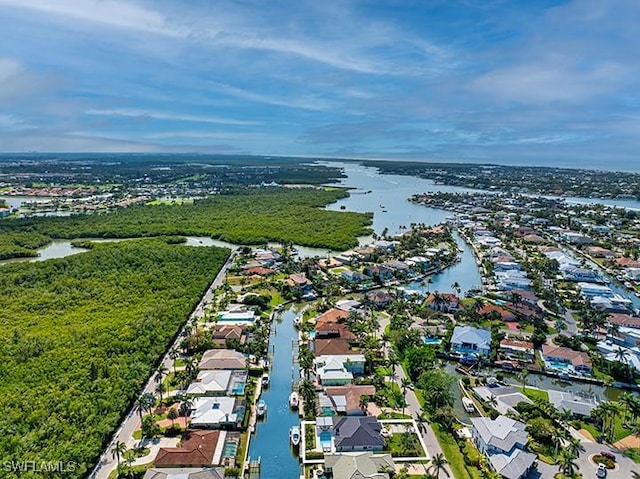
(468, 405)
(296, 321)
(265, 380)
(261, 408)
(294, 400)
(294, 435)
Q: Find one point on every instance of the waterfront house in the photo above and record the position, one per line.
(346, 399)
(518, 350)
(443, 302)
(467, 340)
(580, 406)
(625, 320)
(379, 273)
(237, 314)
(223, 333)
(219, 382)
(333, 315)
(339, 369)
(357, 434)
(222, 359)
(565, 360)
(379, 298)
(490, 309)
(503, 399)
(217, 413)
(359, 465)
(331, 347)
(503, 442)
(184, 473)
(196, 449)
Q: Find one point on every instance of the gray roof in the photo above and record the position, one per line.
(502, 433)
(183, 473)
(357, 432)
(471, 335)
(512, 466)
(348, 465)
(577, 405)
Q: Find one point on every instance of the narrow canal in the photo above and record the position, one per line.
(271, 439)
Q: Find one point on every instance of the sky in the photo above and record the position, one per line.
(501, 81)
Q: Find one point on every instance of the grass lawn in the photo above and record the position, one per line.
(454, 455)
(534, 393)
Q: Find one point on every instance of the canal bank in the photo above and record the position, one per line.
(270, 441)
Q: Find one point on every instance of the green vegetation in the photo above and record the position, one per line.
(246, 216)
(533, 393)
(21, 244)
(82, 335)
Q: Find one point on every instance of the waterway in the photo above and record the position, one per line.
(271, 442)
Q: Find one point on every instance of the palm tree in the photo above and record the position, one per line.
(438, 463)
(117, 450)
(160, 389)
(162, 370)
(575, 446)
(456, 287)
(567, 463)
(145, 402)
(404, 383)
(523, 379)
(174, 354)
(622, 355)
(185, 406)
(173, 415)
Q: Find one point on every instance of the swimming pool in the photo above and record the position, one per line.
(429, 340)
(325, 440)
(238, 388)
(230, 449)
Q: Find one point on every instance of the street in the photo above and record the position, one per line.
(124, 434)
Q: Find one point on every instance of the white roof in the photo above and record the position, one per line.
(471, 335)
(210, 381)
(213, 410)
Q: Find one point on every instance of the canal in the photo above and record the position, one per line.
(270, 442)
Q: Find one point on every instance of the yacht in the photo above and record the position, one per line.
(261, 408)
(297, 320)
(294, 435)
(294, 400)
(468, 405)
(265, 380)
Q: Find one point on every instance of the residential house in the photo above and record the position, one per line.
(352, 433)
(625, 320)
(503, 399)
(359, 465)
(379, 298)
(222, 359)
(331, 347)
(346, 399)
(339, 369)
(184, 473)
(379, 273)
(217, 412)
(219, 382)
(503, 442)
(444, 302)
(579, 405)
(237, 314)
(467, 340)
(565, 360)
(333, 330)
(333, 315)
(196, 449)
(518, 350)
(490, 309)
(224, 333)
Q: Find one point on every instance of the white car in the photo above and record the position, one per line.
(601, 471)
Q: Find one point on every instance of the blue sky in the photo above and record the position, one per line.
(521, 82)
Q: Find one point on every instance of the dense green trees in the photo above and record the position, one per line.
(80, 337)
(249, 216)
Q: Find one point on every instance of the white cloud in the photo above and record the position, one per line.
(161, 115)
(114, 13)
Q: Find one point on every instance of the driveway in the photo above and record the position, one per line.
(588, 468)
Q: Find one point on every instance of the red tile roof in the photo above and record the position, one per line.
(196, 450)
(331, 347)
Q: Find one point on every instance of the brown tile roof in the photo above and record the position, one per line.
(514, 344)
(334, 330)
(352, 394)
(332, 315)
(227, 331)
(448, 297)
(489, 307)
(331, 347)
(624, 320)
(196, 449)
(259, 271)
(577, 358)
(299, 279)
(627, 262)
(222, 359)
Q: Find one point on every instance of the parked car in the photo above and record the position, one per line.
(601, 471)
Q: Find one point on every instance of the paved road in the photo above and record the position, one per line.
(414, 408)
(624, 465)
(132, 422)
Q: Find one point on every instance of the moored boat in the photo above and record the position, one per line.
(294, 400)
(265, 380)
(261, 408)
(294, 435)
(468, 404)
(296, 321)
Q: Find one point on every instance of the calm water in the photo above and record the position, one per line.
(271, 440)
